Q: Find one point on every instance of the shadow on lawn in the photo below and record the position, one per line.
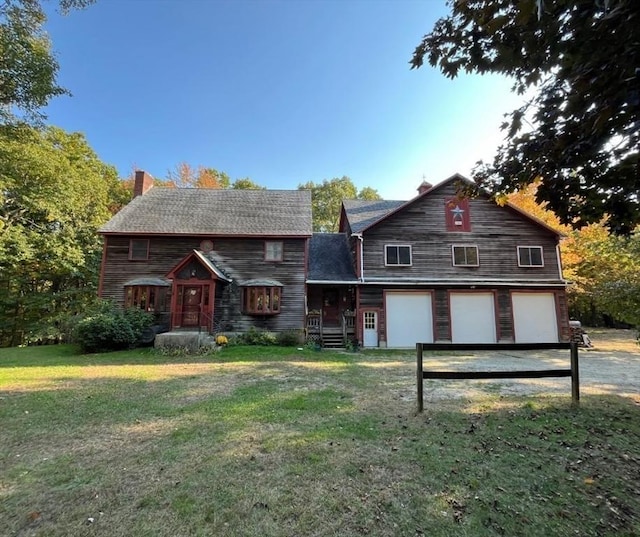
(511, 466)
(70, 355)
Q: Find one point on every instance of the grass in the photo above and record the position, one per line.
(281, 442)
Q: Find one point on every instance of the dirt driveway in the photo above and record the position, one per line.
(611, 367)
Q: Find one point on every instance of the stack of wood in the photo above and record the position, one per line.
(578, 335)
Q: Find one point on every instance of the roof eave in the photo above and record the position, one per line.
(208, 235)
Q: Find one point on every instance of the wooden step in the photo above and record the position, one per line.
(332, 341)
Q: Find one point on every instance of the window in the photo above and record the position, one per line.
(397, 255)
(146, 297)
(530, 256)
(369, 320)
(262, 300)
(465, 255)
(138, 249)
(273, 251)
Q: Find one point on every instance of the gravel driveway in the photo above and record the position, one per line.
(611, 367)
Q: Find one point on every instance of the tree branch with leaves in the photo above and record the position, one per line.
(580, 132)
(28, 67)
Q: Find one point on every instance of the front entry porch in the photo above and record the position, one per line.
(331, 317)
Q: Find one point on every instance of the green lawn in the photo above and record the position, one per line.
(286, 442)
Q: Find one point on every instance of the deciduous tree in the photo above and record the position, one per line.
(326, 199)
(246, 184)
(184, 175)
(28, 67)
(54, 194)
(603, 269)
(580, 132)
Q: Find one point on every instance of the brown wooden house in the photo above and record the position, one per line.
(220, 260)
(438, 268)
(447, 268)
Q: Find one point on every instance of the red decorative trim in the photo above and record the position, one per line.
(457, 214)
(102, 266)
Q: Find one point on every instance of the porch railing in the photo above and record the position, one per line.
(314, 327)
(348, 325)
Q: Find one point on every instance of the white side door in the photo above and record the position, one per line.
(370, 329)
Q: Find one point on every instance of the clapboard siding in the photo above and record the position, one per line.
(563, 312)
(505, 316)
(371, 297)
(441, 315)
(242, 259)
(497, 231)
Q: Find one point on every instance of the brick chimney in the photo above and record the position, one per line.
(424, 186)
(143, 183)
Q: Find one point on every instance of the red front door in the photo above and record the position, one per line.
(191, 305)
(330, 307)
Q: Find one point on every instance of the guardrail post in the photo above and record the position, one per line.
(575, 375)
(419, 377)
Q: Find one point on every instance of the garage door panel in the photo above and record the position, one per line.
(409, 319)
(473, 318)
(534, 317)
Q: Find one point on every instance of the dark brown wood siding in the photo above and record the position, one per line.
(563, 313)
(241, 259)
(505, 317)
(497, 232)
(442, 323)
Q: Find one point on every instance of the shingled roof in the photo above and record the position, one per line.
(330, 258)
(192, 211)
(362, 213)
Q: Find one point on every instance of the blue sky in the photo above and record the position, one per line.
(282, 92)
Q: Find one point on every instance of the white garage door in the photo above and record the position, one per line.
(409, 319)
(473, 318)
(534, 317)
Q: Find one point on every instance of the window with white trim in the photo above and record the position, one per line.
(397, 255)
(273, 251)
(465, 255)
(530, 256)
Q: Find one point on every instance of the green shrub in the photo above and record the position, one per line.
(253, 336)
(111, 329)
(290, 338)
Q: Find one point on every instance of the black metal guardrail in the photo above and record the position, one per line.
(572, 372)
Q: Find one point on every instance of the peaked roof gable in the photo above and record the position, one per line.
(356, 210)
(207, 263)
(192, 211)
(361, 214)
